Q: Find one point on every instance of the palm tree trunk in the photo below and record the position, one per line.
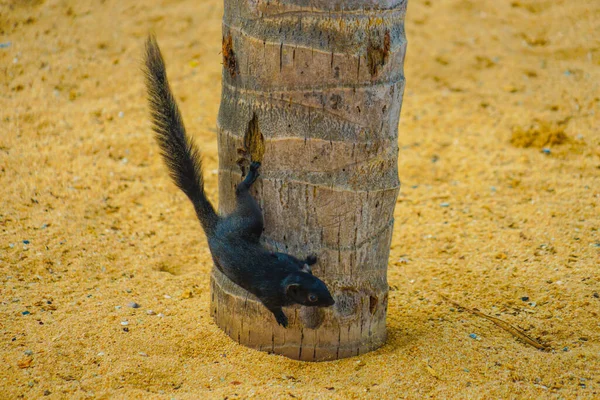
(313, 89)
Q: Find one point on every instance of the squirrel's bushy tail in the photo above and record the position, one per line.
(178, 150)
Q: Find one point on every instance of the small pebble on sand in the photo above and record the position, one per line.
(124, 323)
(473, 336)
(150, 312)
(25, 312)
(141, 353)
(26, 242)
(445, 205)
(5, 45)
(525, 298)
(28, 352)
(133, 304)
(546, 150)
(161, 315)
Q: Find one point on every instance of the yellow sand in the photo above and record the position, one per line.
(480, 219)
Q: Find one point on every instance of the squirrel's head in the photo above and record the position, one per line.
(308, 290)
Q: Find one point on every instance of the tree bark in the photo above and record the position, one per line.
(313, 90)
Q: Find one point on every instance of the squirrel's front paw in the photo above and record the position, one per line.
(281, 319)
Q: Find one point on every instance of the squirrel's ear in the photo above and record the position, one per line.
(292, 289)
(306, 268)
(312, 259)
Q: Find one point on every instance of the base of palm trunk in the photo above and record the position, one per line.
(313, 334)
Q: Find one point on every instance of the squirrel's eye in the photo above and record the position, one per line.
(312, 298)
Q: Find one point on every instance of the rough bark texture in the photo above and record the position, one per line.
(313, 90)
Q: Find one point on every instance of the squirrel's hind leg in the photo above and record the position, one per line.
(253, 174)
(247, 219)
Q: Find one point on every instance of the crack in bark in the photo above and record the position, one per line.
(378, 54)
(229, 60)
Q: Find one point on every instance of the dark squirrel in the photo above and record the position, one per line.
(276, 279)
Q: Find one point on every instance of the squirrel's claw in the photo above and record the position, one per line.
(254, 166)
(281, 318)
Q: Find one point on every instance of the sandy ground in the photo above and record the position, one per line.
(90, 222)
